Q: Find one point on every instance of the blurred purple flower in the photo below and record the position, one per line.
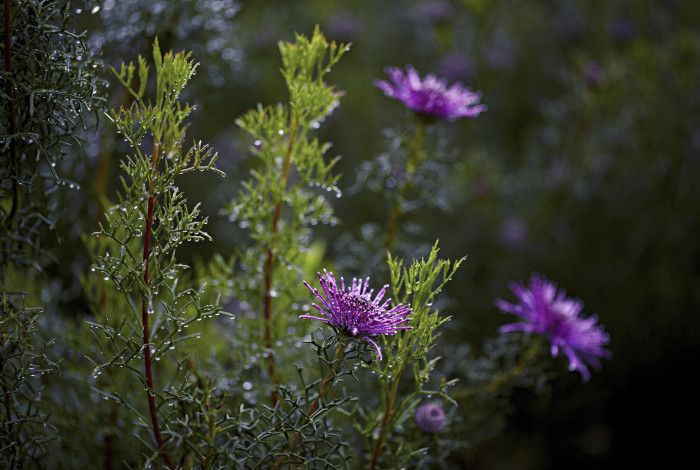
(344, 26)
(353, 311)
(622, 29)
(435, 11)
(499, 57)
(513, 232)
(430, 417)
(456, 66)
(430, 97)
(593, 74)
(548, 312)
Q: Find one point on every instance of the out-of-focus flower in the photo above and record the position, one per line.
(499, 55)
(435, 11)
(354, 312)
(513, 232)
(344, 26)
(622, 29)
(430, 96)
(457, 66)
(593, 74)
(430, 417)
(548, 311)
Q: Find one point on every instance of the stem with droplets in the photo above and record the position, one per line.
(388, 413)
(145, 306)
(322, 390)
(416, 155)
(270, 258)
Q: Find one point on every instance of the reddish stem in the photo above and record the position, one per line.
(388, 412)
(269, 261)
(152, 408)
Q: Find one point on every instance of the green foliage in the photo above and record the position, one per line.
(268, 390)
(23, 360)
(46, 94)
(417, 284)
(136, 259)
(280, 202)
(48, 86)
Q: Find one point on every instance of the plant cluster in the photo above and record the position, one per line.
(241, 360)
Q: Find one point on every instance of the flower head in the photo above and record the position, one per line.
(353, 311)
(548, 311)
(430, 417)
(430, 96)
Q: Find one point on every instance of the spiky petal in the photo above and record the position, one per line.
(430, 97)
(352, 309)
(547, 311)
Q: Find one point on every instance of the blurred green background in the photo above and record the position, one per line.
(584, 168)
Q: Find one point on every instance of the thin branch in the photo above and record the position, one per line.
(388, 413)
(323, 389)
(269, 261)
(152, 408)
(416, 155)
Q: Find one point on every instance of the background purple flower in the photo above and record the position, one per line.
(549, 312)
(593, 74)
(457, 66)
(435, 11)
(344, 26)
(430, 96)
(513, 232)
(430, 417)
(353, 311)
(623, 29)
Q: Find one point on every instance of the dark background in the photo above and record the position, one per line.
(584, 168)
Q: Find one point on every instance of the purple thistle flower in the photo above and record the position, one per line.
(430, 417)
(549, 312)
(430, 96)
(353, 311)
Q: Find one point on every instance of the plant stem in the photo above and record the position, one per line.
(500, 380)
(211, 421)
(388, 413)
(323, 389)
(110, 438)
(9, 86)
(416, 155)
(269, 261)
(152, 408)
(528, 356)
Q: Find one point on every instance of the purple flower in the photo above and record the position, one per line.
(513, 232)
(435, 11)
(547, 311)
(455, 66)
(623, 29)
(344, 26)
(430, 417)
(499, 55)
(593, 74)
(430, 97)
(353, 311)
